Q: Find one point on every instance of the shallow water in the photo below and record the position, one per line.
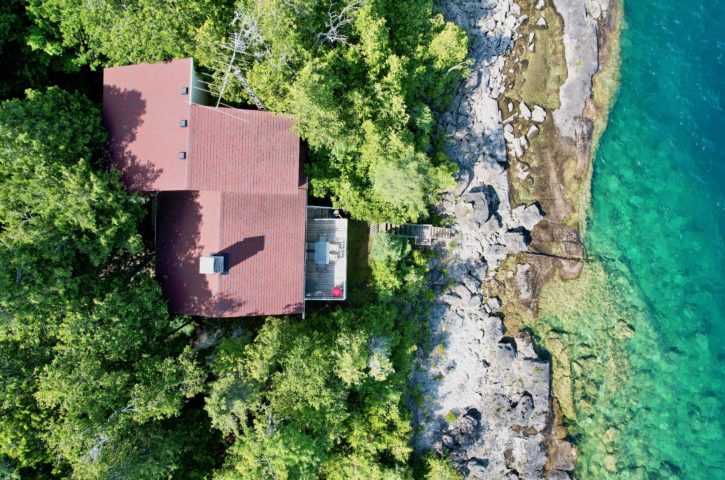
(657, 228)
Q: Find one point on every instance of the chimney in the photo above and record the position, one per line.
(211, 265)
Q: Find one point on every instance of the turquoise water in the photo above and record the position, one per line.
(658, 210)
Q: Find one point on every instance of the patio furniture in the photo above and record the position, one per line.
(322, 252)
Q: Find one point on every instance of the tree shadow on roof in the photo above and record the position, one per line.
(178, 248)
(123, 112)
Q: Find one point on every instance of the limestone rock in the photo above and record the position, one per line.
(524, 281)
(563, 455)
(533, 132)
(494, 304)
(581, 50)
(525, 112)
(515, 241)
(594, 9)
(472, 370)
(527, 217)
(540, 4)
(522, 170)
(517, 147)
(541, 22)
(538, 114)
(524, 345)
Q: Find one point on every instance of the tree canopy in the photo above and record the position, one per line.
(92, 368)
(362, 77)
(108, 32)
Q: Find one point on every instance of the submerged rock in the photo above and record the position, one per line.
(562, 455)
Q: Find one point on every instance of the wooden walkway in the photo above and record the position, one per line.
(421, 234)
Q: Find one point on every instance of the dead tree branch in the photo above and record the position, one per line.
(336, 21)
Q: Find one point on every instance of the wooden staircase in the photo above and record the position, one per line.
(421, 234)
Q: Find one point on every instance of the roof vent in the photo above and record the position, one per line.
(182, 155)
(183, 123)
(213, 264)
(184, 90)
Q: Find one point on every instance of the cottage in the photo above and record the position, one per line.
(234, 234)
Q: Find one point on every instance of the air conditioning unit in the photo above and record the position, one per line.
(213, 264)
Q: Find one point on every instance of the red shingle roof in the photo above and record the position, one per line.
(259, 233)
(142, 109)
(242, 151)
(240, 191)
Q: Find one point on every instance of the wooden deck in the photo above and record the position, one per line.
(321, 279)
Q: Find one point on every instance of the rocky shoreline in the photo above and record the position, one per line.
(487, 394)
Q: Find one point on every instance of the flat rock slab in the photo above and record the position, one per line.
(582, 62)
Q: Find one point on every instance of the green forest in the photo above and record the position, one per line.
(97, 379)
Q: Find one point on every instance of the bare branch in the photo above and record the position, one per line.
(336, 21)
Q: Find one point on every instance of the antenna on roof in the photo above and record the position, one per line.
(243, 45)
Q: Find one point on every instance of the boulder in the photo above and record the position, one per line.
(510, 107)
(538, 114)
(515, 241)
(517, 148)
(477, 467)
(463, 292)
(540, 4)
(494, 304)
(524, 142)
(525, 112)
(533, 132)
(508, 136)
(467, 428)
(471, 283)
(481, 205)
(524, 345)
(522, 170)
(508, 128)
(475, 301)
(527, 217)
(541, 22)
